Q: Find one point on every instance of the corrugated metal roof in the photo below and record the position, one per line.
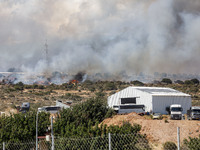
(161, 91)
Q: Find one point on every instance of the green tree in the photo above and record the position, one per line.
(110, 86)
(137, 83)
(188, 82)
(21, 127)
(195, 81)
(167, 81)
(19, 86)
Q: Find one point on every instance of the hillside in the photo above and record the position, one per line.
(41, 95)
(158, 131)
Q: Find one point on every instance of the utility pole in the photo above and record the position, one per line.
(46, 53)
(37, 131)
(52, 136)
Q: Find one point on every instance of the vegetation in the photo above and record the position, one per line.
(167, 81)
(81, 121)
(137, 83)
(20, 127)
(192, 143)
(169, 146)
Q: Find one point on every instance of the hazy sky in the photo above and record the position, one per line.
(101, 36)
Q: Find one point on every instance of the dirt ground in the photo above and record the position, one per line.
(159, 131)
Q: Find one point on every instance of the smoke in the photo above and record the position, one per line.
(100, 36)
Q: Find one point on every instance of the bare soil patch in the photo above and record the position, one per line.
(159, 131)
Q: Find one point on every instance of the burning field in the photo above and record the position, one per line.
(43, 79)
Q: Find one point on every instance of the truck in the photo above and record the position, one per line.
(193, 113)
(175, 112)
(25, 107)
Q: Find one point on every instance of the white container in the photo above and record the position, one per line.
(47, 137)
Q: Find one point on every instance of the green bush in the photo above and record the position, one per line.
(21, 127)
(195, 81)
(192, 143)
(188, 82)
(169, 146)
(167, 81)
(137, 83)
(110, 86)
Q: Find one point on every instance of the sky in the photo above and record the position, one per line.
(100, 36)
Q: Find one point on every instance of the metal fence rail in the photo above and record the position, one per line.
(110, 142)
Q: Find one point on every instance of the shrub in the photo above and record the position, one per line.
(188, 82)
(193, 143)
(138, 83)
(100, 94)
(195, 81)
(110, 86)
(167, 81)
(19, 86)
(179, 82)
(169, 146)
(166, 121)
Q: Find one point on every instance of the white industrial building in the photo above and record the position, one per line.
(149, 99)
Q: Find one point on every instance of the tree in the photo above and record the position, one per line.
(19, 86)
(167, 81)
(188, 82)
(195, 81)
(179, 82)
(21, 127)
(138, 83)
(110, 86)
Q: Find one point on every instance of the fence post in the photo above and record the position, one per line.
(52, 136)
(178, 137)
(109, 139)
(37, 131)
(4, 146)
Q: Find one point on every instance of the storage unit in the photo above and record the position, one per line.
(155, 99)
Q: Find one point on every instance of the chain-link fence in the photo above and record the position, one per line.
(110, 142)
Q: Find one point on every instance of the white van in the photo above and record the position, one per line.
(50, 109)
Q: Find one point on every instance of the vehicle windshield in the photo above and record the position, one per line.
(196, 111)
(176, 109)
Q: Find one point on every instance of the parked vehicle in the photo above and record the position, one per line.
(128, 108)
(25, 107)
(50, 109)
(157, 116)
(175, 112)
(193, 113)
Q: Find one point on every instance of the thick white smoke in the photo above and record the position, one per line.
(101, 36)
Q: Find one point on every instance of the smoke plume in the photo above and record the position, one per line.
(100, 36)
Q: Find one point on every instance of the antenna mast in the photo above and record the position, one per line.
(46, 54)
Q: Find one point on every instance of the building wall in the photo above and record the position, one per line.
(161, 102)
(142, 98)
(145, 99)
(153, 103)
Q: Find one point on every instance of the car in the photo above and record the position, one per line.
(157, 116)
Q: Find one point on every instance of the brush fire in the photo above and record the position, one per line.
(55, 78)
